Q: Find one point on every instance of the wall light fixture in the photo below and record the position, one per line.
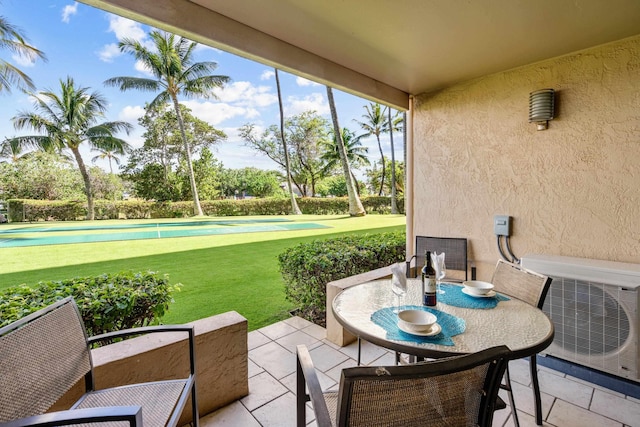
(541, 107)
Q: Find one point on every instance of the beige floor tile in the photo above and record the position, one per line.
(263, 388)
(256, 339)
(387, 359)
(523, 397)
(291, 341)
(325, 357)
(617, 408)
(326, 381)
(277, 330)
(595, 386)
(233, 415)
(275, 359)
(254, 369)
(565, 414)
(369, 352)
(280, 412)
(297, 322)
(519, 371)
(565, 389)
(334, 373)
(315, 331)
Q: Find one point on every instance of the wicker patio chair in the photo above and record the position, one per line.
(530, 287)
(44, 354)
(456, 391)
(455, 249)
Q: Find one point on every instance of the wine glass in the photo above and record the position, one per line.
(441, 273)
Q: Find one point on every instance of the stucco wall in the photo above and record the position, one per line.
(573, 189)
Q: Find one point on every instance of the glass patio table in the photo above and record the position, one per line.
(525, 329)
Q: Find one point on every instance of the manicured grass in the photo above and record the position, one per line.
(219, 273)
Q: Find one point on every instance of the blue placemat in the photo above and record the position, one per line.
(388, 319)
(454, 296)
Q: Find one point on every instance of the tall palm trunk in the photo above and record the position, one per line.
(355, 205)
(394, 201)
(197, 209)
(384, 169)
(295, 209)
(87, 182)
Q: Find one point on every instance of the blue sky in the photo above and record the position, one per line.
(81, 41)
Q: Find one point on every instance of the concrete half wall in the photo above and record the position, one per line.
(573, 189)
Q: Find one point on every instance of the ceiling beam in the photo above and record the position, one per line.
(204, 26)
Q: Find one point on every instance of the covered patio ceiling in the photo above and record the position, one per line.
(386, 50)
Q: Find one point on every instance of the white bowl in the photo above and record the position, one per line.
(478, 287)
(416, 320)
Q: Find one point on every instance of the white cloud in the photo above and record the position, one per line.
(131, 113)
(68, 10)
(23, 60)
(126, 28)
(108, 52)
(215, 113)
(142, 68)
(246, 94)
(301, 81)
(315, 101)
(267, 75)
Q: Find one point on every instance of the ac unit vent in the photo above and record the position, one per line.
(594, 308)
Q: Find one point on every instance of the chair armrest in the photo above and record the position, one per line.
(306, 375)
(408, 271)
(152, 329)
(131, 414)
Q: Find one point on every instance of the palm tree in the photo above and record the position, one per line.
(109, 153)
(356, 153)
(394, 125)
(12, 40)
(12, 149)
(355, 205)
(375, 124)
(175, 73)
(295, 209)
(68, 120)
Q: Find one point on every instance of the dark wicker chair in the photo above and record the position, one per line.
(530, 287)
(45, 353)
(456, 260)
(456, 391)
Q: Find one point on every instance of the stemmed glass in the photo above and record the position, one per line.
(443, 273)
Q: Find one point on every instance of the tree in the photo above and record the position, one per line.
(394, 125)
(67, 121)
(374, 176)
(12, 39)
(109, 153)
(355, 205)
(305, 134)
(375, 124)
(12, 149)
(295, 209)
(356, 154)
(171, 63)
(251, 181)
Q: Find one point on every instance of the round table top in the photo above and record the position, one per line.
(525, 329)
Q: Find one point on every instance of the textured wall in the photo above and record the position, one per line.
(573, 189)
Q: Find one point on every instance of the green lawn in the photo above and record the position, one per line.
(219, 272)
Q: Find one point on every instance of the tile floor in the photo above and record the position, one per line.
(566, 401)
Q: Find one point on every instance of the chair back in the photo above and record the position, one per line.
(455, 249)
(456, 391)
(42, 356)
(518, 282)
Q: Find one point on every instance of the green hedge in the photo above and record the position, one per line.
(308, 267)
(43, 210)
(109, 302)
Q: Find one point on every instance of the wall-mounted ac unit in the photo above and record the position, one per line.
(594, 307)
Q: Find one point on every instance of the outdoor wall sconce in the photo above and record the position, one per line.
(541, 107)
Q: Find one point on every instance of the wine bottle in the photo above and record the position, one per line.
(430, 296)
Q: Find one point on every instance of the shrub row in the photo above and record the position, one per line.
(308, 267)
(109, 302)
(43, 210)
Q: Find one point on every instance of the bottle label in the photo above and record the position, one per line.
(430, 295)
